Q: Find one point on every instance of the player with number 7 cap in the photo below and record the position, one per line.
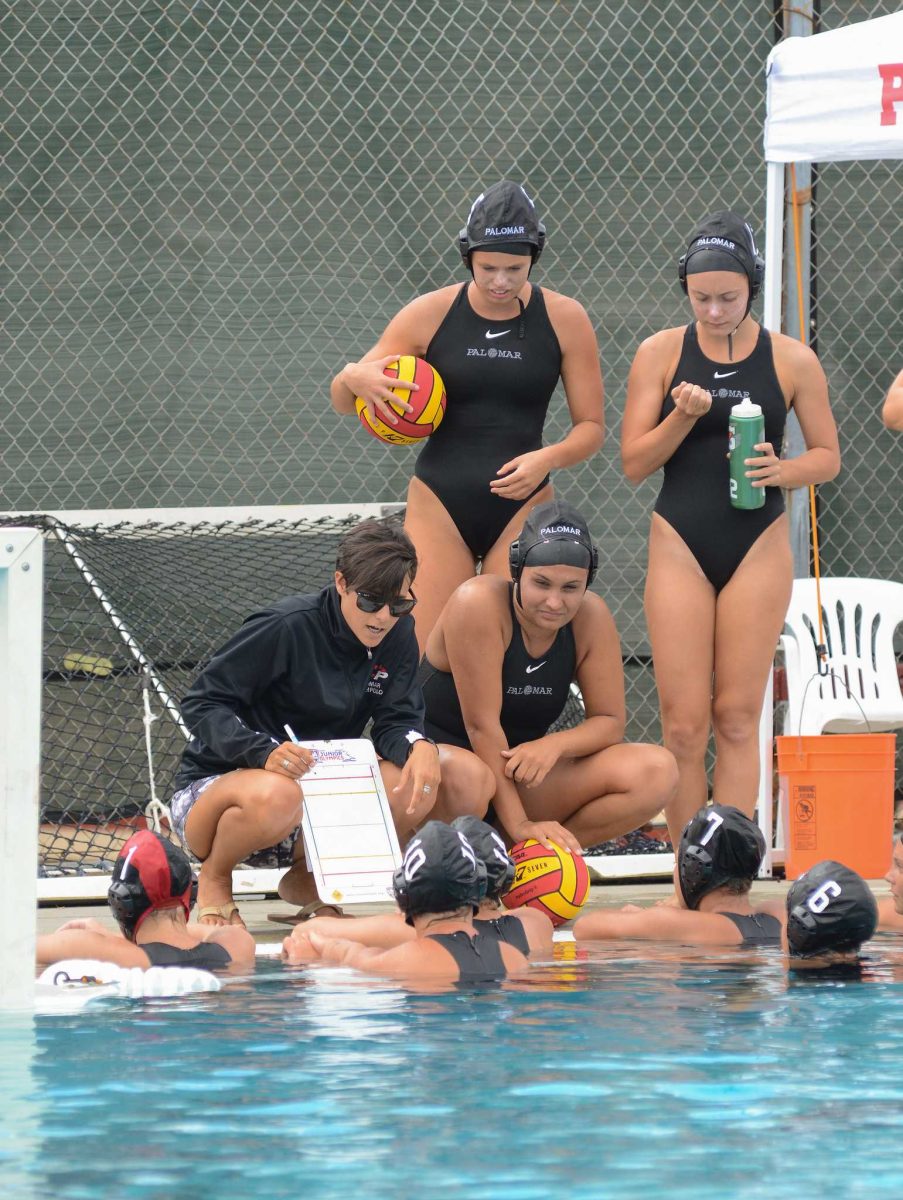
(718, 860)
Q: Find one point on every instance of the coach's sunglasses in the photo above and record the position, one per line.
(398, 607)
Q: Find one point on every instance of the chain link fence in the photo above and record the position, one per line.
(209, 207)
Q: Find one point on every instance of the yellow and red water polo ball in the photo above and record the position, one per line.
(554, 881)
(427, 404)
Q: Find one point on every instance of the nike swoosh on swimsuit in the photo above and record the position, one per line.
(724, 375)
(490, 336)
(530, 670)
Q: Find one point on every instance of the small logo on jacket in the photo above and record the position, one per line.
(490, 336)
(724, 374)
(530, 670)
(375, 684)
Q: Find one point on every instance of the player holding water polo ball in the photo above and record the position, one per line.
(719, 577)
(500, 344)
(497, 673)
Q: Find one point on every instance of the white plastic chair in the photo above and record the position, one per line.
(861, 692)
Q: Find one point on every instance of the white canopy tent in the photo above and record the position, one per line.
(831, 97)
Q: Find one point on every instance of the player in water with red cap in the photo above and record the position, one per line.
(150, 896)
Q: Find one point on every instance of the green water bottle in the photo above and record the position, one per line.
(747, 427)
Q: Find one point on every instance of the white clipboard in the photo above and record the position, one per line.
(349, 835)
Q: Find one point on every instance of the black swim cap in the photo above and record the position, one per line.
(723, 242)
(554, 534)
(502, 218)
(492, 853)
(718, 846)
(830, 908)
(439, 873)
(150, 873)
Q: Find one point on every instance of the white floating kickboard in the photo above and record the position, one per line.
(349, 834)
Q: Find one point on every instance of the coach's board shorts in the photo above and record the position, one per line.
(280, 855)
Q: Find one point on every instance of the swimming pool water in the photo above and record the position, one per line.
(621, 1073)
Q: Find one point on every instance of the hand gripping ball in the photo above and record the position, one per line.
(554, 881)
(427, 404)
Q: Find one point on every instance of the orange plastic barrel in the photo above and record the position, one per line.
(837, 796)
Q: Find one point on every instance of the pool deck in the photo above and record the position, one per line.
(255, 912)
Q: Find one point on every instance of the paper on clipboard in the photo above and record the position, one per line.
(349, 834)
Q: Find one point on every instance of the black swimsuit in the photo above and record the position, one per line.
(534, 690)
(506, 928)
(208, 956)
(479, 958)
(759, 929)
(695, 495)
(499, 377)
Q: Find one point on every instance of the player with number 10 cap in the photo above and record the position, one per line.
(500, 344)
(438, 887)
(719, 577)
(497, 674)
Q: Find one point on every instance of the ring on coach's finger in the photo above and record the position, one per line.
(286, 763)
(427, 788)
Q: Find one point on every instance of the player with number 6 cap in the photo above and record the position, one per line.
(438, 887)
(718, 859)
(719, 577)
(500, 343)
(830, 913)
(317, 666)
(497, 674)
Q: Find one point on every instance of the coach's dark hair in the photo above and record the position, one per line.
(377, 556)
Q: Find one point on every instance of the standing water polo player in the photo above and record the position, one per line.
(500, 344)
(719, 578)
(323, 665)
(497, 673)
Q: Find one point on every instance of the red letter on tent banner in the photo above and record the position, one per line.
(891, 91)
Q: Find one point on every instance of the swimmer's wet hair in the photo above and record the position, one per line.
(377, 556)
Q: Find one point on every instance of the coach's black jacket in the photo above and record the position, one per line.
(298, 663)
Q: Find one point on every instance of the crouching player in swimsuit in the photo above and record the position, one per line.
(438, 888)
(497, 673)
(719, 577)
(718, 859)
(322, 666)
(150, 897)
(500, 344)
(526, 929)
